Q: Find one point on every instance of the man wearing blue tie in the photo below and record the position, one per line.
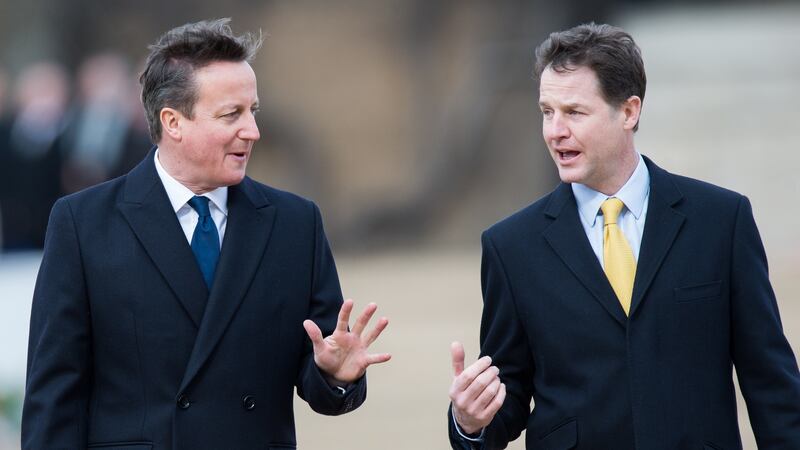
(621, 302)
(179, 306)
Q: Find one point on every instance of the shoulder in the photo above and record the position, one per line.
(701, 190)
(95, 198)
(286, 202)
(531, 219)
(690, 194)
(274, 195)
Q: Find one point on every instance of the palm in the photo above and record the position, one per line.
(343, 355)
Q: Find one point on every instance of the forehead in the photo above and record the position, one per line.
(226, 80)
(575, 86)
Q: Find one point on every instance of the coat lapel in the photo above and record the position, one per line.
(661, 227)
(250, 221)
(147, 209)
(568, 239)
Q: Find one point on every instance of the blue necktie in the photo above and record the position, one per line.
(205, 240)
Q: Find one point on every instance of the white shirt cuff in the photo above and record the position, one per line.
(464, 435)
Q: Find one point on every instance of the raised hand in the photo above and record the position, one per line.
(343, 355)
(476, 392)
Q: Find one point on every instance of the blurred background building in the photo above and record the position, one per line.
(414, 125)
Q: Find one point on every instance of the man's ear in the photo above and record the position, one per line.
(631, 109)
(171, 123)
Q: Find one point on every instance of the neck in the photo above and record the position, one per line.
(175, 169)
(622, 174)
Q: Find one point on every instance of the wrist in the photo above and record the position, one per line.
(473, 435)
(336, 383)
(333, 381)
(472, 431)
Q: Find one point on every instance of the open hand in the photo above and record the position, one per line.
(343, 355)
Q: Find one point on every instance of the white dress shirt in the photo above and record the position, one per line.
(179, 195)
(634, 194)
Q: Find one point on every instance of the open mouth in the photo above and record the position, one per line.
(567, 155)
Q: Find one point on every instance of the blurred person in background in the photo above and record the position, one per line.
(621, 301)
(4, 127)
(179, 306)
(3, 93)
(101, 140)
(29, 156)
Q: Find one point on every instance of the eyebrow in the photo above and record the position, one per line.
(236, 106)
(572, 105)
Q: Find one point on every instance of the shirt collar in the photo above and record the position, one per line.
(633, 193)
(179, 194)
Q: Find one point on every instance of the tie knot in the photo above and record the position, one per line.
(200, 204)
(611, 209)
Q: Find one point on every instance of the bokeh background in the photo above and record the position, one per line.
(414, 125)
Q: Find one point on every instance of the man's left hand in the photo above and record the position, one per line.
(343, 355)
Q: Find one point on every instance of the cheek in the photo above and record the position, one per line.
(594, 138)
(213, 147)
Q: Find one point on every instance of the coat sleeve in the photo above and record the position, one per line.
(502, 337)
(325, 302)
(55, 409)
(765, 365)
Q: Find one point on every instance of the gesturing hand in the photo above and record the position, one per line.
(476, 392)
(343, 355)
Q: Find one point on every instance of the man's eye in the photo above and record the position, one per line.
(255, 111)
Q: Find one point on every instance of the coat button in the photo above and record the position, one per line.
(249, 402)
(183, 401)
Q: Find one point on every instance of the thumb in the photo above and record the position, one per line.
(457, 353)
(315, 334)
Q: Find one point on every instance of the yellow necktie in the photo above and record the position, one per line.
(618, 261)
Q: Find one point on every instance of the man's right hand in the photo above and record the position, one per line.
(476, 392)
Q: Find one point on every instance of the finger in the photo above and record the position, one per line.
(488, 394)
(481, 382)
(376, 331)
(363, 319)
(377, 358)
(497, 403)
(469, 374)
(457, 355)
(344, 315)
(315, 334)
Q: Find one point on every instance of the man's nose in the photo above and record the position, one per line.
(556, 128)
(249, 131)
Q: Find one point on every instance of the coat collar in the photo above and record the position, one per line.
(147, 209)
(250, 222)
(662, 224)
(568, 239)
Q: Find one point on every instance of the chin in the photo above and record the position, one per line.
(233, 179)
(569, 176)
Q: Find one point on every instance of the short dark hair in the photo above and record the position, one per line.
(168, 76)
(607, 50)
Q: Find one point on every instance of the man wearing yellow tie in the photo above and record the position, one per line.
(621, 302)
